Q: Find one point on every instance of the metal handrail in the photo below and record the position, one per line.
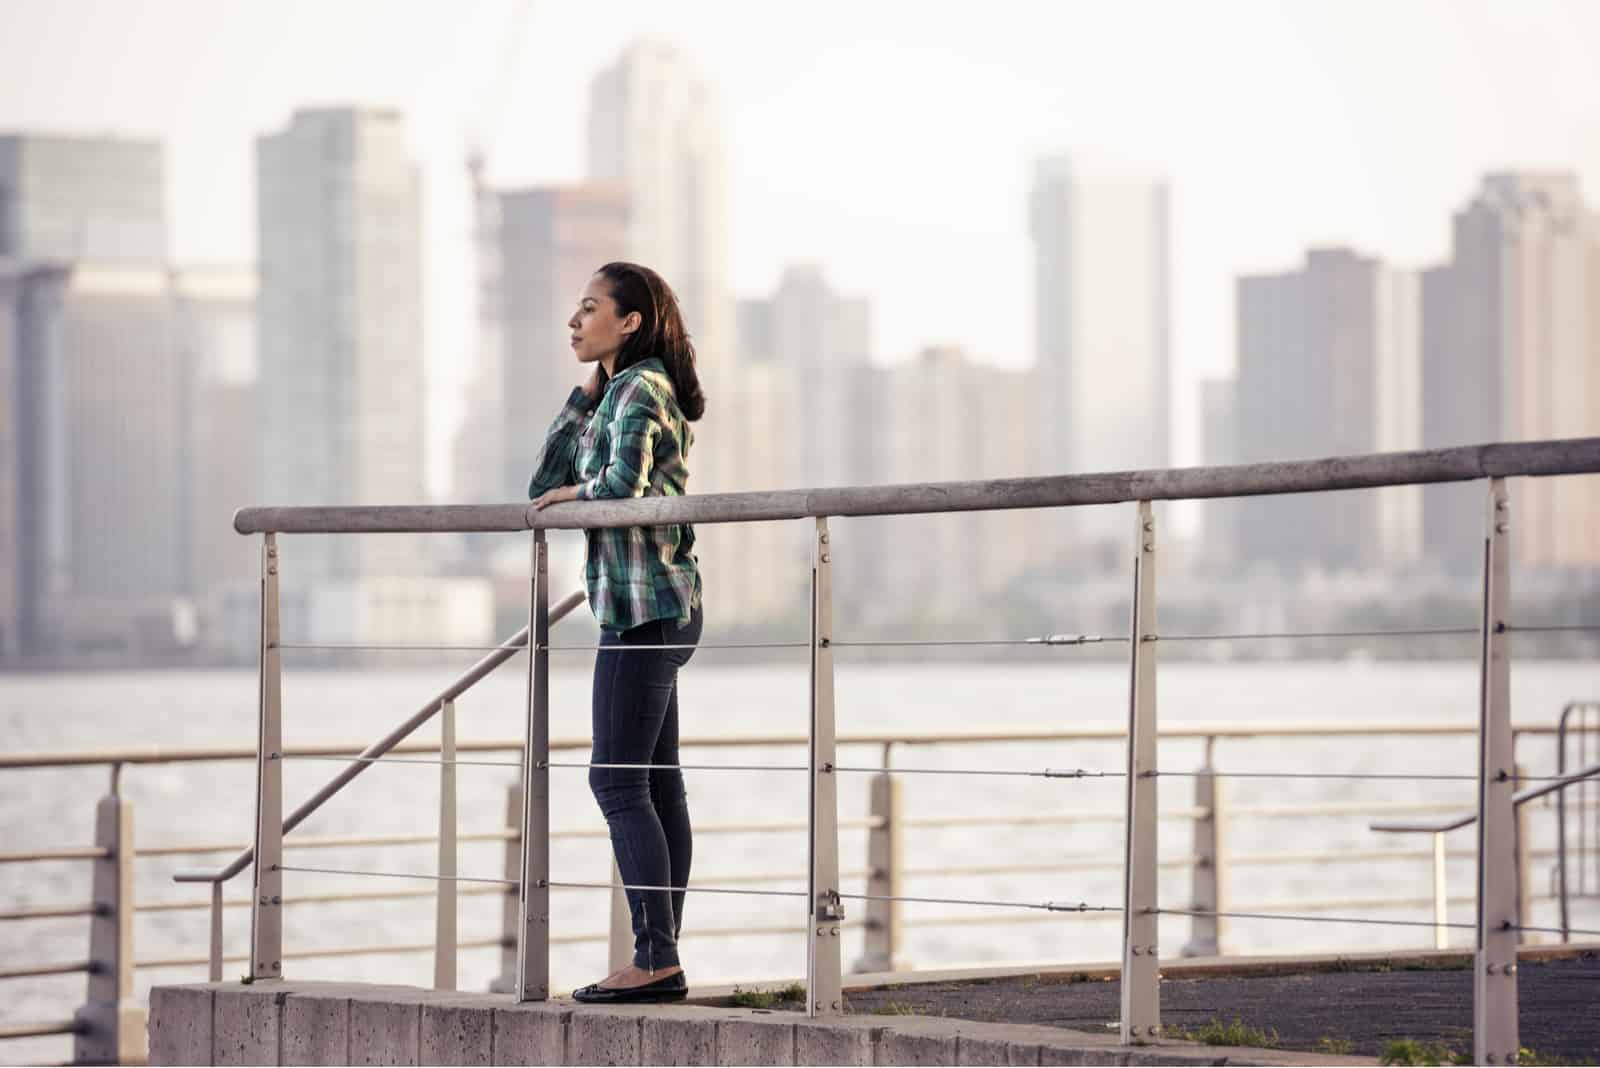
(1531, 793)
(465, 682)
(1460, 464)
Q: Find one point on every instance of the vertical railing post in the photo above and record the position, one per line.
(1441, 893)
(533, 925)
(511, 905)
(882, 944)
(1141, 999)
(1494, 1001)
(824, 908)
(1207, 876)
(444, 922)
(111, 1022)
(215, 971)
(266, 898)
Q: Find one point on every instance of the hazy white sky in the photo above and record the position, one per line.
(891, 142)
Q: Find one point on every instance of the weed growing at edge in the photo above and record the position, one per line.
(765, 999)
(1238, 1033)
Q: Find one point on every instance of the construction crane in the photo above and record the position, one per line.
(483, 126)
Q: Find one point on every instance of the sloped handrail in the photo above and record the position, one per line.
(362, 762)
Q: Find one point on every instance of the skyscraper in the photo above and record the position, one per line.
(1512, 353)
(340, 331)
(86, 199)
(655, 129)
(1102, 336)
(551, 241)
(1327, 366)
(804, 357)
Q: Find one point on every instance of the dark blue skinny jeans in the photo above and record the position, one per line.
(636, 722)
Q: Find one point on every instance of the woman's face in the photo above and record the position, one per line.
(597, 330)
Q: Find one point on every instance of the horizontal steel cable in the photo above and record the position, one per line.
(630, 647)
(1551, 930)
(1311, 919)
(336, 951)
(1306, 775)
(672, 889)
(1047, 906)
(1047, 773)
(398, 875)
(1048, 639)
(399, 647)
(1314, 634)
(1554, 627)
(678, 767)
(405, 760)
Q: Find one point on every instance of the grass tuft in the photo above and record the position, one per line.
(1238, 1033)
(766, 999)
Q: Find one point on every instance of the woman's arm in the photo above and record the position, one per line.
(557, 463)
(636, 424)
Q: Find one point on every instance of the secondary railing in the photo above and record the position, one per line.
(1213, 820)
(1496, 930)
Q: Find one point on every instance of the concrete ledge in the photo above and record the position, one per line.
(333, 1023)
(185, 1034)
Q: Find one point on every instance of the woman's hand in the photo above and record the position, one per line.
(555, 496)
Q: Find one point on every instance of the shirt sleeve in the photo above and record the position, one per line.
(557, 463)
(634, 429)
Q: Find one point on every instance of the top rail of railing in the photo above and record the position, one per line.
(1568, 456)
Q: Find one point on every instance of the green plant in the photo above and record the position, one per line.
(1336, 1046)
(765, 999)
(894, 1008)
(1238, 1033)
(1411, 1051)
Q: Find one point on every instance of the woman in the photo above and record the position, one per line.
(625, 433)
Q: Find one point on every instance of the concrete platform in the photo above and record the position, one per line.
(290, 1022)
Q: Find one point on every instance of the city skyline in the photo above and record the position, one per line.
(1378, 120)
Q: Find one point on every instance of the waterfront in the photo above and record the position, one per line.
(212, 802)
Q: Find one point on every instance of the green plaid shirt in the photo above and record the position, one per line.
(635, 443)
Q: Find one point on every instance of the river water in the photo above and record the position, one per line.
(212, 802)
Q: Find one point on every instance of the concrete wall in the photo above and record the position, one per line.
(331, 1023)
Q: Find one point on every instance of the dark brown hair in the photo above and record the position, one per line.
(661, 331)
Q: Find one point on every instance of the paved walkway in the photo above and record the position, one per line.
(1559, 1002)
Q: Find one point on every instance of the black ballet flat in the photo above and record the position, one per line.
(674, 987)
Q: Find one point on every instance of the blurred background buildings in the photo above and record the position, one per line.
(166, 395)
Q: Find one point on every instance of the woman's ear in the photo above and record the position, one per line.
(631, 322)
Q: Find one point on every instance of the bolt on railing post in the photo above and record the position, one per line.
(881, 949)
(1441, 894)
(1206, 880)
(266, 897)
(511, 906)
(1141, 998)
(533, 921)
(824, 907)
(444, 922)
(111, 1021)
(1494, 1000)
